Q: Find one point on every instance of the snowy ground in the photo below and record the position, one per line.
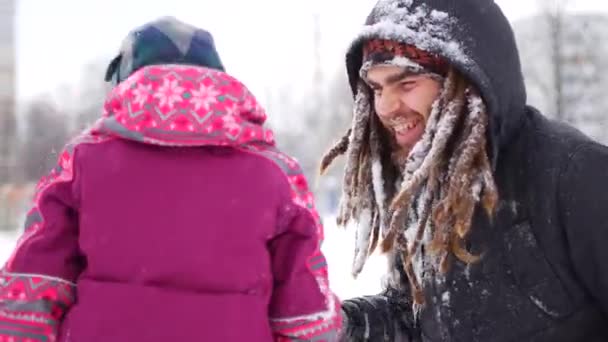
(7, 243)
(338, 248)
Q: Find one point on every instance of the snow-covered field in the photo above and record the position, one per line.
(338, 248)
(7, 243)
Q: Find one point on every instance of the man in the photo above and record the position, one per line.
(494, 217)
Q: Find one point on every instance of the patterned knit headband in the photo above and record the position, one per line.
(382, 50)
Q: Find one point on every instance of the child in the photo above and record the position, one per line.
(174, 218)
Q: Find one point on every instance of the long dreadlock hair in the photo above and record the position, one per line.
(446, 174)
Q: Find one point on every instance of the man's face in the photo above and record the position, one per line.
(402, 101)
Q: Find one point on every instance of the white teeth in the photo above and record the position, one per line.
(404, 127)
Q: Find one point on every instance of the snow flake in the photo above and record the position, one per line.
(427, 29)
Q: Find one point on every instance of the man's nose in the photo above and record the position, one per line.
(388, 106)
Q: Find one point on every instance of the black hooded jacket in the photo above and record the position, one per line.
(542, 275)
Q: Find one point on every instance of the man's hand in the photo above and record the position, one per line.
(373, 319)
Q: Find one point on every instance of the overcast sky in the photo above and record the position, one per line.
(265, 43)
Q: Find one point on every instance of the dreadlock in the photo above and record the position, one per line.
(446, 174)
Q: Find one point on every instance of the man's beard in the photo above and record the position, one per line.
(399, 157)
(399, 153)
(393, 153)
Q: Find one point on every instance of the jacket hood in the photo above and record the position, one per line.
(177, 105)
(474, 36)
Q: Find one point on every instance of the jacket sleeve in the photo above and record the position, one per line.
(583, 204)
(37, 282)
(302, 307)
(387, 316)
(382, 317)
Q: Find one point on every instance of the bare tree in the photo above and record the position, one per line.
(8, 129)
(554, 11)
(310, 125)
(91, 90)
(45, 135)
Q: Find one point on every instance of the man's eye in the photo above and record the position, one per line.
(408, 84)
(377, 91)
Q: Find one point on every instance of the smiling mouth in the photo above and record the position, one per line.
(402, 126)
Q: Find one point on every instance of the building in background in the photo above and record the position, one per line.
(8, 123)
(8, 126)
(564, 61)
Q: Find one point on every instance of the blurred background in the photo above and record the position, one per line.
(53, 56)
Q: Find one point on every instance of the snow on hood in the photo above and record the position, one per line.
(473, 35)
